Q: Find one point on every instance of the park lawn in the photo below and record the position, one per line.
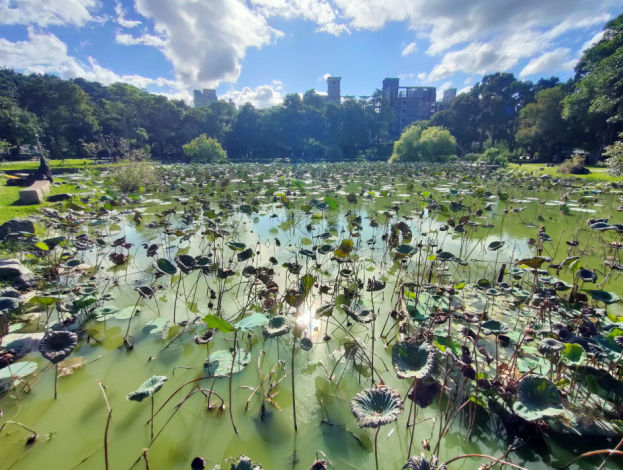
(69, 163)
(10, 208)
(597, 173)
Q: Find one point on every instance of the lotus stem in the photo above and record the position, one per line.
(231, 375)
(376, 448)
(152, 417)
(293, 393)
(106, 439)
(55, 381)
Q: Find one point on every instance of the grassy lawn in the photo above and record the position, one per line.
(597, 173)
(69, 163)
(10, 208)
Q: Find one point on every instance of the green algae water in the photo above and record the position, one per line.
(279, 212)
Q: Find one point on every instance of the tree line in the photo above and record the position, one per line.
(548, 119)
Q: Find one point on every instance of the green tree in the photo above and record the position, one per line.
(541, 125)
(204, 149)
(17, 126)
(434, 144)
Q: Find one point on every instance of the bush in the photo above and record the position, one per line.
(492, 156)
(614, 162)
(204, 149)
(573, 166)
(434, 144)
(132, 176)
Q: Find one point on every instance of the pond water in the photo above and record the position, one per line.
(72, 427)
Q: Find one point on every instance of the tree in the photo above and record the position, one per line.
(17, 126)
(204, 149)
(614, 153)
(434, 144)
(541, 125)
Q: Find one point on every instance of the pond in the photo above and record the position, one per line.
(374, 272)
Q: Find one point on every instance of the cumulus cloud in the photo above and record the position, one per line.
(465, 90)
(555, 60)
(205, 41)
(325, 77)
(263, 96)
(318, 11)
(46, 53)
(278, 84)
(47, 12)
(120, 12)
(410, 49)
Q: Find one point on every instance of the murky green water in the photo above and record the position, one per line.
(71, 428)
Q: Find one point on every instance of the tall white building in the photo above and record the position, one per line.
(333, 90)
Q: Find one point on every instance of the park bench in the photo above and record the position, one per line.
(33, 194)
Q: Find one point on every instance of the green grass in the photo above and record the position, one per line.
(69, 163)
(10, 208)
(597, 173)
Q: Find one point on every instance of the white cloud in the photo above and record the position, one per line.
(47, 12)
(325, 77)
(422, 76)
(120, 12)
(263, 96)
(442, 88)
(318, 11)
(207, 40)
(278, 84)
(465, 90)
(410, 49)
(594, 40)
(145, 39)
(46, 53)
(551, 61)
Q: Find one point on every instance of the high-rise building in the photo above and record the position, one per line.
(333, 90)
(409, 103)
(205, 98)
(449, 95)
(448, 98)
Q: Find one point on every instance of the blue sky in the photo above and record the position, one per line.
(259, 50)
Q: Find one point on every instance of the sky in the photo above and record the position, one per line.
(258, 50)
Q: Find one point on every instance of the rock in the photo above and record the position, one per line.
(16, 225)
(59, 197)
(10, 292)
(12, 270)
(8, 304)
(546, 177)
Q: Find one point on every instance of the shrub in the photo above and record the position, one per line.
(492, 156)
(133, 175)
(573, 166)
(204, 149)
(434, 144)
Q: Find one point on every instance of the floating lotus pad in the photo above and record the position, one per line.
(537, 398)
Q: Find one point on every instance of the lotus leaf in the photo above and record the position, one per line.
(252, 321)
(494, 327)
(165, 266)
(56, 346)
(420, 463)
(148, 388)
(221, 361)
(277, 326)
(604, 296)
(537, 398)
(376, 407)
(413, 359)
(359, 313)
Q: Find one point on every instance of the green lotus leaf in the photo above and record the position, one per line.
(495, 246)
(572, 354)
(332, 203)
(537, 398)
(494, 327)
(41, 300)
(148, 388)
(405, 250)
(277, 326)
(85, 301)
(325, 310)
(604, 296)
(221, 361)
(534, 263)
(237, 246)
(587, 275)
(218, 323)
(252, 321)
(165, 266)
(413, 359)
(245, 255)
(376, 407)
(550, 345)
